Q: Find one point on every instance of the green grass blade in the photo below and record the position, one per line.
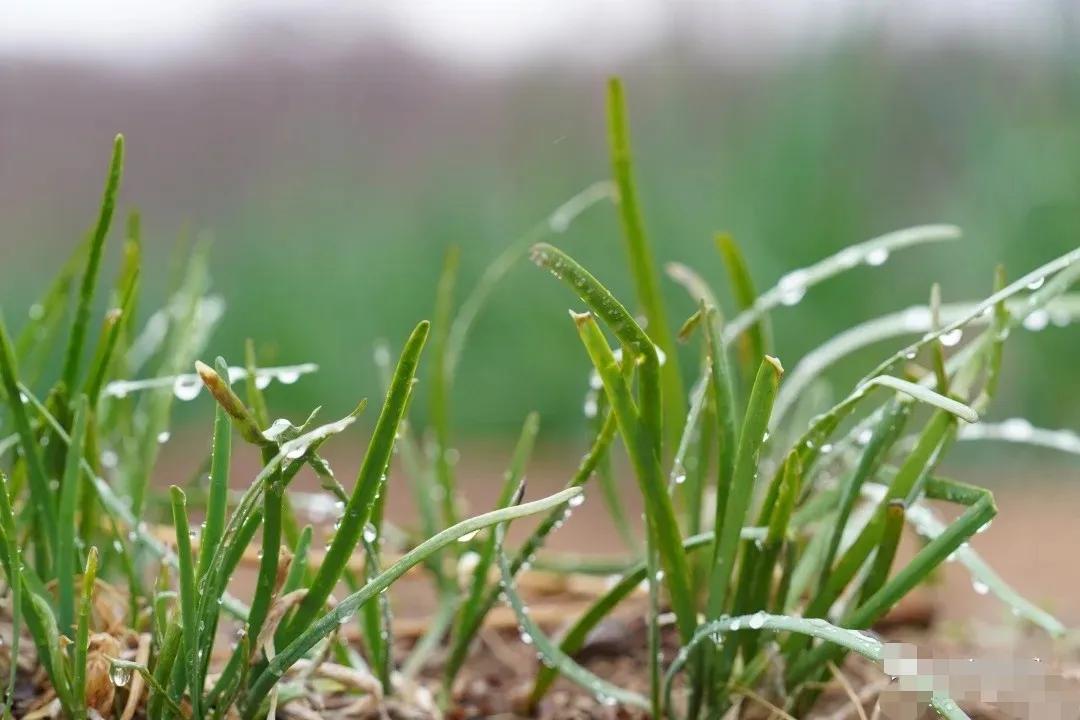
(38, 336)
(558, 221)
(882, 438)
(77, 337)
(886, 550)
(550, 654)
(642, 265)
(368, 482)
(82, 636)
(348, 607)
(40, 496)
(298, 566)
(470, 616)
(757, 342)
(115, 321)
(251, 383)
(12, 558)
(846, 640)
(751, 439)
(65, 536)
(163, 666)
(872, 252)
(573, 638)
(660, 513)
(217, 501)
(193, 652)
(527, 553)
(439, 400)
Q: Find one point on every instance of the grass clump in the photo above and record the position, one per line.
(751, 535)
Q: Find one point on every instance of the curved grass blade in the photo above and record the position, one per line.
(871, 252)
(152, 681)
(473, 607)
(848, 640)
(642, 445)
(77, 337)
(926, 522)
(527, 553)
(368, 483)
(348, 607)
(574, 637)
(558, 221)
(1062, 264)
(549, 653)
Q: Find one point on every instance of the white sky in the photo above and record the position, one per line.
(494, 31)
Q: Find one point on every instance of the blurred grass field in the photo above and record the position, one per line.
(351, 177)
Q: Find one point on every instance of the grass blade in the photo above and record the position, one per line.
(217, 501)
(193, 653)
(45, 529)
(473, 607)
(751, 439)
(82, 636)
(642, 265)
(550, 654)
(65, 536)
(348, 607)
(757, 342)
(77, 337)
(368, 482)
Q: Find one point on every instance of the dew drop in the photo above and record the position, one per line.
(288, 377)
(1037, 283)
(262, 381)
(370, 533)
(952, 337)
(186, 387)
(980, 587)
(877, 256)
(1036, 320)
(467, 537)
(120, 675)
(757, 621)
(576, 500)
(163, 436)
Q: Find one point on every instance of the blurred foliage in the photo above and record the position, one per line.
(336, 237)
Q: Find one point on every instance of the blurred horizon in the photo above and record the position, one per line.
(334, 155)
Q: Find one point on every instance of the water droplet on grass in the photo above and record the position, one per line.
(877, 256)
(980, 587)
(952, 337)
(120, 675)
(1036, 320)
(187, 387)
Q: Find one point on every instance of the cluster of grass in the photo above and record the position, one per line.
(771, 521)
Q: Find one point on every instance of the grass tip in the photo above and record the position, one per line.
(775, 362)
(580, 318)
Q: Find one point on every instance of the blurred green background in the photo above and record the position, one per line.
(333, 185)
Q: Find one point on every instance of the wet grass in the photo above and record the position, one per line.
(752, 539)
